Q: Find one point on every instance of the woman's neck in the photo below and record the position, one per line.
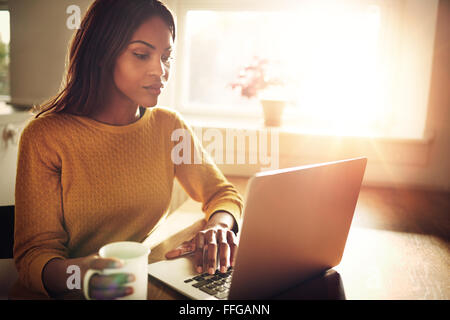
(118, 111)
(117, 117)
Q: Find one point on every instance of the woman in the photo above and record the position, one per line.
(95, 165)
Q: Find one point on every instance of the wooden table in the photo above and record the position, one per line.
(397, 248)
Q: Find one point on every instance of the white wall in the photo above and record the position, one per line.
(38, 47)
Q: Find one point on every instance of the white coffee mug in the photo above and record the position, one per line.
(135, 258)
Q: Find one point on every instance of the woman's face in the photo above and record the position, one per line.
(142, 69)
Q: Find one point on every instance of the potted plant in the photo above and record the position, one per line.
(256, 81)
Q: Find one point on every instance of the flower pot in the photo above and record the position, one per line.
(273, 111)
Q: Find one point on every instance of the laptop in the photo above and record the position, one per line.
(295, 226)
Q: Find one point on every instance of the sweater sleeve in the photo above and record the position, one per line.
(39, 233)
(199, 175)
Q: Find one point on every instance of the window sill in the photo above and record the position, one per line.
(299, 148)
(254, 124)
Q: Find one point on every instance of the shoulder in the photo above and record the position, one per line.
(169, 117)
(166, 113)
(38, 140)
(47, 125)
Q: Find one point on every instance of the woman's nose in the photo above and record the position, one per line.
(157, 68)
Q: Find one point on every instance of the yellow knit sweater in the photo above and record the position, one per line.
(81, 184)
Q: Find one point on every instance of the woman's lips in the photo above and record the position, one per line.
(155, 89)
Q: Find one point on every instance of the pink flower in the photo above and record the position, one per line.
(253, 78)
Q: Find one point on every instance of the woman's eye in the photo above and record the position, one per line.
(141, 56)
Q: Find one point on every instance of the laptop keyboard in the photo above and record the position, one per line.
(217, 285)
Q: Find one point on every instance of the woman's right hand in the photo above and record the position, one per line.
(102, 287)
(106, 287)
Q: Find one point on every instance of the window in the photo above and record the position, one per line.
(354, 67)
(4, 55)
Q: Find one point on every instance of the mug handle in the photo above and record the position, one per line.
(87, 278)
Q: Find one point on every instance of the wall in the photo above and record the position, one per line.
(437, 170)
(434, 173)
(38, 47)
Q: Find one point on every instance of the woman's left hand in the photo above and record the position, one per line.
(215, 240)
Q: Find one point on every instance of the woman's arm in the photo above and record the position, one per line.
(223, 219)
(40, 238)
(222, 204)
(199, 175)
(39, 234)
